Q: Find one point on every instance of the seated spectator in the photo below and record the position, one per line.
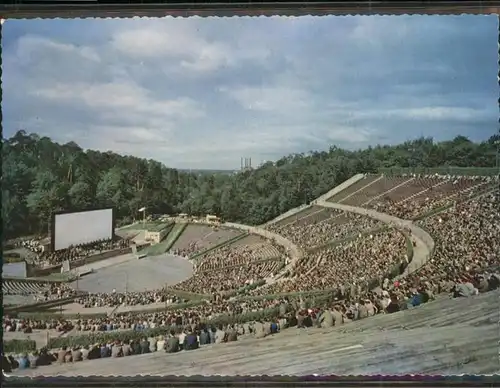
(172, 344)
(204, 337)
(191, 341)
(116, 349)
(160, 344)
(6, 365)
(145, 347)
(76, 354)
(23, 361)
(61, 355)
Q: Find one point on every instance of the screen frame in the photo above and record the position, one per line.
(69, 211)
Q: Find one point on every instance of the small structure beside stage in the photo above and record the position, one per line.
(135, 252)
(157, 234)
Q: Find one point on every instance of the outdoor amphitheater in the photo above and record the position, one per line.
(384, 274)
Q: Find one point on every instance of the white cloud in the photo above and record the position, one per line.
(184, 44)
(30, 46)
(270, 99)
(201, 93)
(124, 98)
(435, 113)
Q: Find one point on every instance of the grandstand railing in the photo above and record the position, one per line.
(444, 170)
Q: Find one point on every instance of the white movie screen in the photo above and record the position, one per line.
(72, 229)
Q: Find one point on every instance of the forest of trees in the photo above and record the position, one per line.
(40, 176)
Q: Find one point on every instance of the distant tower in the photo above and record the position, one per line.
(246, 164)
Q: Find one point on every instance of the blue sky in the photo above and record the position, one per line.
(201, 93)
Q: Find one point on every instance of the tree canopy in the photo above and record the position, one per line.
(41, 176)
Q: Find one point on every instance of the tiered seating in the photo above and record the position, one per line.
(412, 187)
(249, 240)
(78, 252)
(271, 267)
(325, 226)
(318, 215)
(444, 192)
(375, 189)
(231, 267)
(348, 264)
(353, 188)
(228, 279)
(20, 292)
(242, 252)
(467, 238)
(198, 237)
(297, 216)
(14, 287)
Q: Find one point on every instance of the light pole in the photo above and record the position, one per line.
(412, 163)
(497, 159)
(143, 211)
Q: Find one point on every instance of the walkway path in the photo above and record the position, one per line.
(424, 244)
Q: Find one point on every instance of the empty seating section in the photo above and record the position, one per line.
(410, 196)
(297, 216)
(13, 287)
(444, 191)
(325, 226)
(196, 238)
(412, 187)
(319, 214)
(250, 240)
(353, 188)
(375, 189)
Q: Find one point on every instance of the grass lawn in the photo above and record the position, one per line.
(143, 226)
(156, 249)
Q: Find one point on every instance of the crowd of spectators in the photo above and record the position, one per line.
(33, 245)
(349, 264)
(134, 298)
(228, 279)
(325, 226)
(231, 267)
(467, 238)
(46, 258)
(27, 326)
(193, 247)
(465, 262)
(40, 291)
(242, 254)
(56, 291)
(178, 339)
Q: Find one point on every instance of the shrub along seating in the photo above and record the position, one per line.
(102, 337)
(19, 346)
(45, 316)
